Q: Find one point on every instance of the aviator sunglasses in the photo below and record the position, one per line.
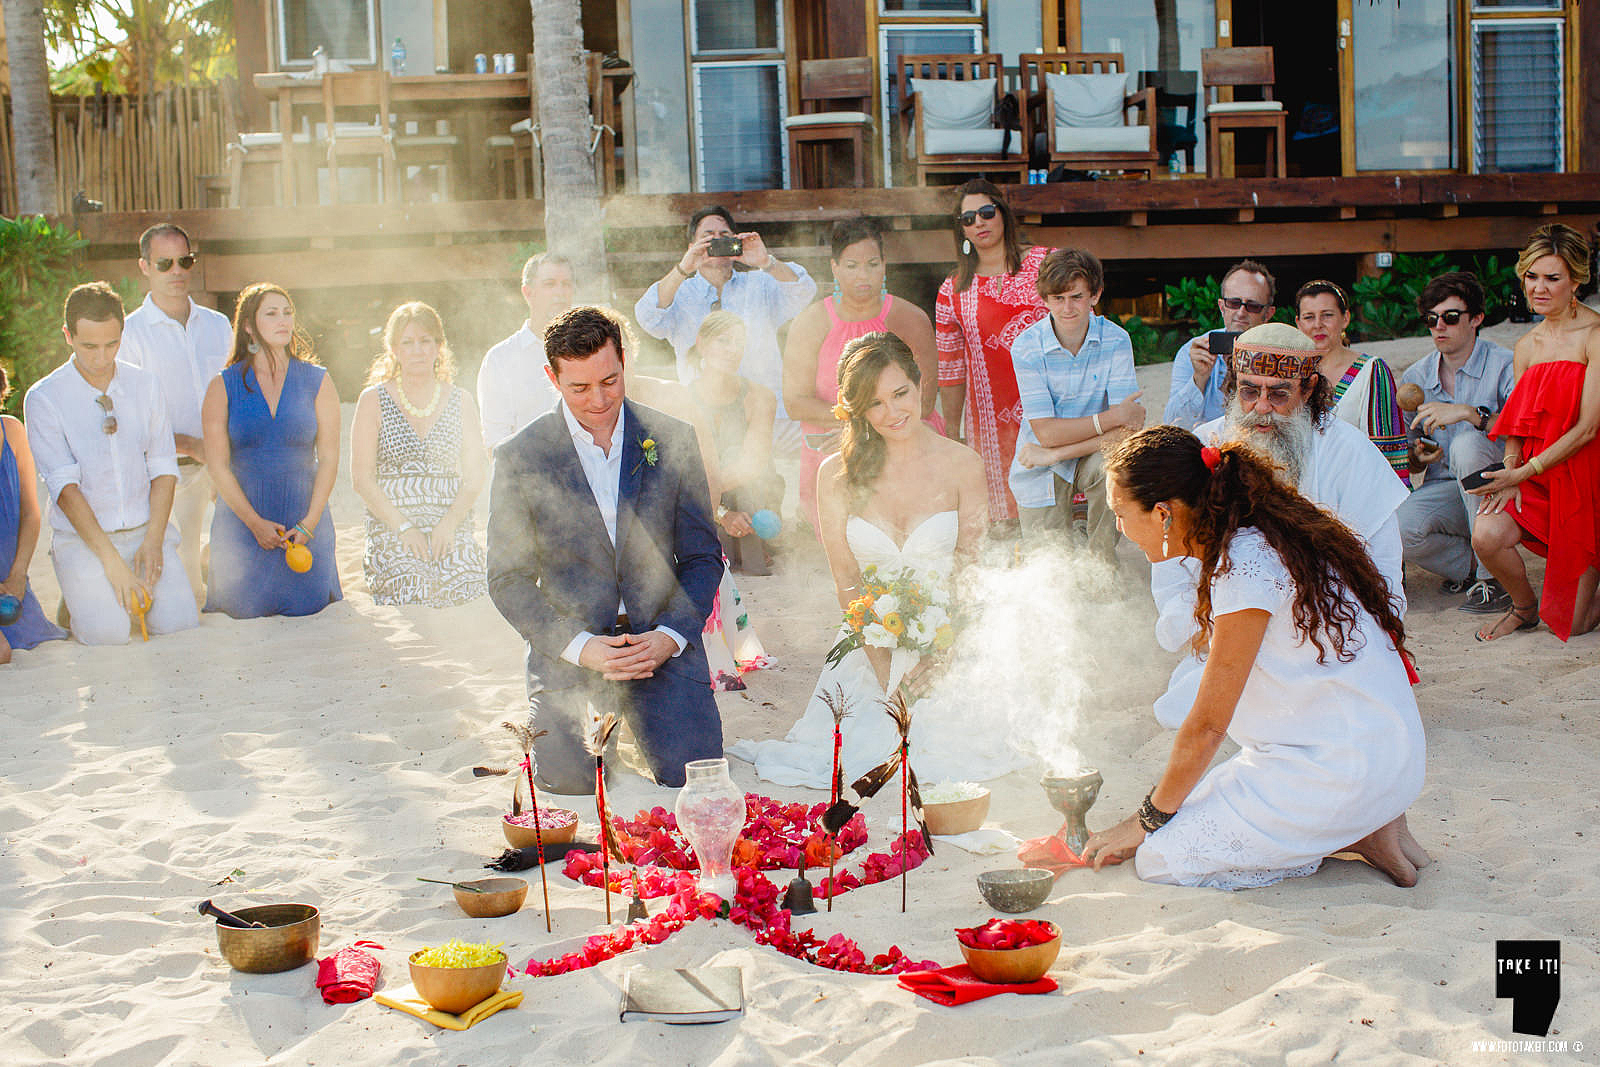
(1449, 318)
(987, 211)
(108, 425)
(165, 263)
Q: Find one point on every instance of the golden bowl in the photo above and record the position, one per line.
(523, 837)
(1013, 965)
(957, 817)
(289, 941)
(499, 896)
(455, 989)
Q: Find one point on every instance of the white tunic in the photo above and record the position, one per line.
(1329, 751)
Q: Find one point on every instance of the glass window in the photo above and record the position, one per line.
(897, 41)
(928, 7)
(737, 26)
(739, 140)
(1517, 96)
(1405, 86)
(1516, 5)
(342, 28)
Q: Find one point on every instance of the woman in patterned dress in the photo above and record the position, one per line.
(991, 297)
(1364, 393)
(416, 460)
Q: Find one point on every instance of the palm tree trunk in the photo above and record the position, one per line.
(573, 217)
(35, 144)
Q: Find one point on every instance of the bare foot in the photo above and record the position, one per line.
(1383, 849)
(1411, 847)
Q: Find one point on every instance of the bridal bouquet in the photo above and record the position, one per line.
(898, 610)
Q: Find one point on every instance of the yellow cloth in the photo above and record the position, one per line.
(405, 999)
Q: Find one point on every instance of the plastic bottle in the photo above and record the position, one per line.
(397, 57)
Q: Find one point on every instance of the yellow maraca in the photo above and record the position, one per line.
(297, 556)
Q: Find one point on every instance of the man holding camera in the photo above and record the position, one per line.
(1464, 381)
(1247, 293)
(732, 271)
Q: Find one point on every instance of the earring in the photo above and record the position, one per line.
(883, 290)
(966, 247)
(251, 346)
(1166, 528)
(836, 291)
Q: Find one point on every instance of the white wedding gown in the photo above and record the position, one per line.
(950, 737)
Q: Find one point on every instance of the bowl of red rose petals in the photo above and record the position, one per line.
(1010, 950)
(556, 827)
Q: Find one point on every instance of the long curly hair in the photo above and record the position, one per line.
(860, 366)
(967, 262)
(386, 364)
(244, 313)
(1329, 563)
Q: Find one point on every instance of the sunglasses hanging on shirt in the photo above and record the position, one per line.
(108, 425)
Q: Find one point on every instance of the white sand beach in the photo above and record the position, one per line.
(328, 760)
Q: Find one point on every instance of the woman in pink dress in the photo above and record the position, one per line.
(860, 305)
(991, 297)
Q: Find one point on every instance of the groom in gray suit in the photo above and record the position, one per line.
(603, 555)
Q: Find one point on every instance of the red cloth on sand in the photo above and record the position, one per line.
(951, 986)
(1560, 513)
(349, 974)
(1050, 854)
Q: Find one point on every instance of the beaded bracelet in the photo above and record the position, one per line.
(1152, 818)
(302, 528)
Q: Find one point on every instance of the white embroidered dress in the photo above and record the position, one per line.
(1329, 751)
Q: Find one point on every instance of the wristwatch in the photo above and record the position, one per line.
(1484, 415)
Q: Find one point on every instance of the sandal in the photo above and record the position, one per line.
(1527, 619)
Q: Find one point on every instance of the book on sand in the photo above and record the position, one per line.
(683, 995)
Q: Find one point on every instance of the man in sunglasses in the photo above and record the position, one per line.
(1246, 300)
(1281, 406)
(104, 447)
(1465, 381)
(184, 344)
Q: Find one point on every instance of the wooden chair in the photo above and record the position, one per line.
(429, 147)
(969, 145)
(1091, 131)
(1242, 67)
(365, 91)
(515, 154)
(265, 149)
(824, 82)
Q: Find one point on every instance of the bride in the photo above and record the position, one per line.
(897, 495)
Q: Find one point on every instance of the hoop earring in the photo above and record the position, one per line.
(966, 246)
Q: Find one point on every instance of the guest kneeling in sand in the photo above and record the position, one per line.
(1296, 653)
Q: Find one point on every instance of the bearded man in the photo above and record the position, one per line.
(1278, 403)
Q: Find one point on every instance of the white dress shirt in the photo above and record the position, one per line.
(513, 388)
(184, 356)
(113, 471)
(604, 474)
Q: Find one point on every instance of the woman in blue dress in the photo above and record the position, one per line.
(19, 533)
(271, 423)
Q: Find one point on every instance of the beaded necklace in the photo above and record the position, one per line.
(411, 409)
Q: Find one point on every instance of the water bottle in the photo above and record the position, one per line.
(1175, 164)
(397, 57)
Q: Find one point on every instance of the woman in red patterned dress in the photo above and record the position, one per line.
(991, 297)
(1548, 496)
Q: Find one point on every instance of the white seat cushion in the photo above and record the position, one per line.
(269, 139)
(1237, 106)
(828, 118)
(426, 140)
(1088, 99)
(500, 140)
(965, 142)
(953, 105)
(1102, 139)
(359, 129)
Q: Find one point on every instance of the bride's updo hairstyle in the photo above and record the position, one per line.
(860, 366)
(1241, 489)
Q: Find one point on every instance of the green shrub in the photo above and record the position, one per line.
(39, 264)
(1150, 345)
(1385, 306)
(1194, 304)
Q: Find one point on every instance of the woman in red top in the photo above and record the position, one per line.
(991, 297)
(1548, 495)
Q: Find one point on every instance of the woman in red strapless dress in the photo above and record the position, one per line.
(1548, 496)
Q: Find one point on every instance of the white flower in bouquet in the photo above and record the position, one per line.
(885, 605)
(876, 636)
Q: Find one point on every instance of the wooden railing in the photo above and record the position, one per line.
(132, 153)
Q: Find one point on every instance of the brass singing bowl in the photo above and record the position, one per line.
(455, 989)
(524, 836)
(958, 816)
(494, 897)
(289, 940)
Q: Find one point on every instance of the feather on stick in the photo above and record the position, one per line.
(526, 736)
(601, 728)
(837, 704)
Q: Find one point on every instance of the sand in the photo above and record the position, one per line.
(327, 760)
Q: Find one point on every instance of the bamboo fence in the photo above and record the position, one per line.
(130, 152)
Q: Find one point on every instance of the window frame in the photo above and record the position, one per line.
(700, 140)
(374, 36)
(1563, 119)
(891, 76)
(693, 41)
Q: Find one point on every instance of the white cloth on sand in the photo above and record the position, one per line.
(1329, 751)
(951, 738)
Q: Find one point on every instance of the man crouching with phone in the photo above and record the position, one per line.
(1245, 299)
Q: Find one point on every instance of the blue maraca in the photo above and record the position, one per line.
(766, 524)
(10, 609)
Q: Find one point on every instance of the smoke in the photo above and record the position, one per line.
(1046, 639)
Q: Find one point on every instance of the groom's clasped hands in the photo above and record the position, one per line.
(626, 657)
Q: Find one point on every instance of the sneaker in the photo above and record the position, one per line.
(1486, 597)
(1452, 587)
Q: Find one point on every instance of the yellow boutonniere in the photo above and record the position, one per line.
(841, 412)
(649, 446)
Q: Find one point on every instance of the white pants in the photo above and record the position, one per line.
(98, 618)
(191, 509)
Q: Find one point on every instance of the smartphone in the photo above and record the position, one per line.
(726, 246)
(1427, 442)
(1221, 342)
(1476, 479)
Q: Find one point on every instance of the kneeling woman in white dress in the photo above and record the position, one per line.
(1295, 653)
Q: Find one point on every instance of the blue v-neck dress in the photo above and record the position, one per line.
(274, 457)
(31, 627)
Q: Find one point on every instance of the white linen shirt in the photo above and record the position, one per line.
(604, 475)
(513, 388)
(113, 471)
(184, 356)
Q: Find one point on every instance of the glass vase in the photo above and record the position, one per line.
(710, 811)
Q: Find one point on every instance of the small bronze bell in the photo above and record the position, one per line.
(797, 899)
(636, 908)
